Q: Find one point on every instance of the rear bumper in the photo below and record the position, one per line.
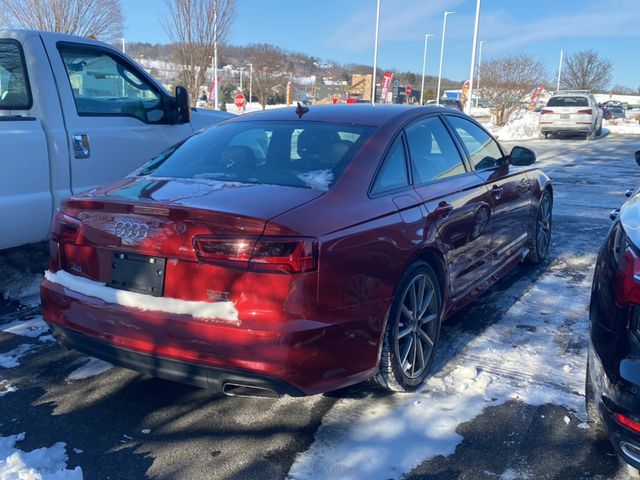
(551, 128)
(296, 357)
(215, 379)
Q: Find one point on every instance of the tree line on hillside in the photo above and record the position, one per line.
(194, 26)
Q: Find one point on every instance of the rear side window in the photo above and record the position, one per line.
(296, 154)
(14, 85)
(568, 102)
(434, 156)
(393, 173)
(103, 85)
(483, 150)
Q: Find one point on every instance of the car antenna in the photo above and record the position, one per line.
(301, 110)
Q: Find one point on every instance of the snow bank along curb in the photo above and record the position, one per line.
(224, 311)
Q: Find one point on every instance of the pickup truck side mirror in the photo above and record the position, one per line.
(183, 109)
(638, 157)
(522, 157)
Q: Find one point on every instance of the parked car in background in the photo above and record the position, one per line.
(452, 103)
(613, 367)
(322, 245)
(612, 112)
(571, 112)
(75, 113)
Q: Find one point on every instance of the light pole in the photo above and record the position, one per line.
(250, 81)
(215, 55)
(473, 58)
(444, 32)
(375, 55)
(560, 69)
(424, 66)
(123, 47)
(479, 67)
(241, 69)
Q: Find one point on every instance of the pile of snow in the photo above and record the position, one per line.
(6, 387)
(622, 127)
(32, 328)
(40, 464)
(522, 125)
(317, 179)
(10, 359)
(90, 369)
(19, 285)
(532, 355)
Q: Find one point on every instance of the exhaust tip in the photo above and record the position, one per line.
(631, 451)
(239, 390)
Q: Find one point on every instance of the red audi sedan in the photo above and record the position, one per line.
(295, 251)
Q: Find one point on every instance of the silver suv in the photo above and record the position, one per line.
(571, 111)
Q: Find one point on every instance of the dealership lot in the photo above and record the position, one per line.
(518, 351)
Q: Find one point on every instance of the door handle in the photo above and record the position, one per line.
(497, 192)
(81, 146)
(443, 209)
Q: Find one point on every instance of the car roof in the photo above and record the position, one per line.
(358, 113)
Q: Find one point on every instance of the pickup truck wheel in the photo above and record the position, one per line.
(541, 240)
(412, 331)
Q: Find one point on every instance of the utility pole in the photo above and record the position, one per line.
(375, 55)
(424, 66)
(444, 32)
(473, 58)
(250, 81)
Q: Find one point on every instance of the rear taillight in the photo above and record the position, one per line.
(64, 228)
(545, 112)
(627, 422)
(628, 281)
(587, 111)
(264, 254)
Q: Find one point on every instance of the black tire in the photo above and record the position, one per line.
(593, 414)
(540, 243)
(412, 331)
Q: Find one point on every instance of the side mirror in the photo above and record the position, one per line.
(183, 109)
(522, 157)
(638, 157)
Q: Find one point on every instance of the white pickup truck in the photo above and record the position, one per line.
(75, 113)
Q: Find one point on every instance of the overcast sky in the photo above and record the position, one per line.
(343, 30)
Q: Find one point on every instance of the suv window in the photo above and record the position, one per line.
(104, 85)
(14, 85)
(434, 155)
(483, 150)
(393, 174)
(574, 101)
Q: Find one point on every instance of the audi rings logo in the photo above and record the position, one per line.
(131, 230)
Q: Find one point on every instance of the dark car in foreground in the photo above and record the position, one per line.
(295, 251)
(613, 367)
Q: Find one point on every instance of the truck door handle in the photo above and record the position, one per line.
(443, 209)
(497, 192)
(81, 146)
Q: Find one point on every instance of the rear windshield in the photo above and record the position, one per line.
(568, 102)
(295, 154)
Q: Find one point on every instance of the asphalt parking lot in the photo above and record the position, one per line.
(530, 422)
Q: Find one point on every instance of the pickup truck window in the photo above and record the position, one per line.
(14, 84)
(104, 85)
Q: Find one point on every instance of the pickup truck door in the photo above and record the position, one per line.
(25, 191)
(114, 112)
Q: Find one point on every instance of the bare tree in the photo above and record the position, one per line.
(507, 81)
(623, 90)
(585, 70)
(268, 80)
(194, 26)
(102, 18)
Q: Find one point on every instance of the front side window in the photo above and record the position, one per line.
(483, 150)
(434, 156)
(296, 154)
(104, 85)
(14, 86)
